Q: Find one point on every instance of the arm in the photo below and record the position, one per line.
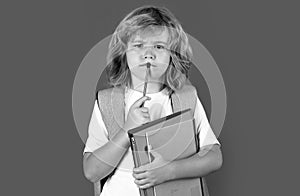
(102, 161)
(207, 160)
(108, 153)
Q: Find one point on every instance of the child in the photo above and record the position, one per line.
(147, 35)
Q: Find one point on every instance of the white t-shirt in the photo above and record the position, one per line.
(122, 182)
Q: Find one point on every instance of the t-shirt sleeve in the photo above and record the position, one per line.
(205, 134)
(97, 132)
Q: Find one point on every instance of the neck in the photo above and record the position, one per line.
(153, 86)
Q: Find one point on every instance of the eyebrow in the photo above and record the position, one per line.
(155, 42)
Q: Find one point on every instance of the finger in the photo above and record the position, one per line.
(141, 169)
(145, 186)
(144, 109)
(146, 115)
(139, 176)
(155, 154)
(138, 170)
(140, 101)
(146, 119)
(142, 182)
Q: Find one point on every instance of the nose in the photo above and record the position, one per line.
(149, 54)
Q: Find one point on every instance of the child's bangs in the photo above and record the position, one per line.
(142, 24)
(146, 31)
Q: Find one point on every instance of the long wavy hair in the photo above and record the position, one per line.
(117, 70)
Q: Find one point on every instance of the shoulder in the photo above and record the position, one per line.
(185, 97)
(187, 88)
(109, 91)
(103, 92)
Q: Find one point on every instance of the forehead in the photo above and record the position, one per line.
(151, 34)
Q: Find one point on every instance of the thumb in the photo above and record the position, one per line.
(155, 155)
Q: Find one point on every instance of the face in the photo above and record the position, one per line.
(151, 47)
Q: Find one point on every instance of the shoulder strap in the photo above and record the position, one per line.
(111, 104)
(184, 98)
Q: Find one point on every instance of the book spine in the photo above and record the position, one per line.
(134, 150)
(137, 163)
(149, 191)
(135, 157)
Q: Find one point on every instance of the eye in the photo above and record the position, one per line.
(137, 45)
(159, 46)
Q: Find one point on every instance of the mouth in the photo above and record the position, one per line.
(147, 64)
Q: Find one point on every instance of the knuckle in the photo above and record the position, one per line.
(145, 109)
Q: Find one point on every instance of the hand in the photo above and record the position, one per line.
(154, 173)
(137, 115)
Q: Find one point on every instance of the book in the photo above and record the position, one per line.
(174, 138)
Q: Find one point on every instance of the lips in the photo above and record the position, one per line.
(145, 65)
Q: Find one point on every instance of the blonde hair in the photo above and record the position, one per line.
(118, 72)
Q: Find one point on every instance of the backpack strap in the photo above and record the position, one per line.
(111, 104)
(184, 98)
(204, 186)
(97, 188)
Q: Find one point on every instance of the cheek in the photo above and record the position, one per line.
(132, 63)
(161, 70)
(167, 60)
(130, 59)
(165, 68)
(133, 54)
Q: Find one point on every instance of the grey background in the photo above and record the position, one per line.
(255, 44)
